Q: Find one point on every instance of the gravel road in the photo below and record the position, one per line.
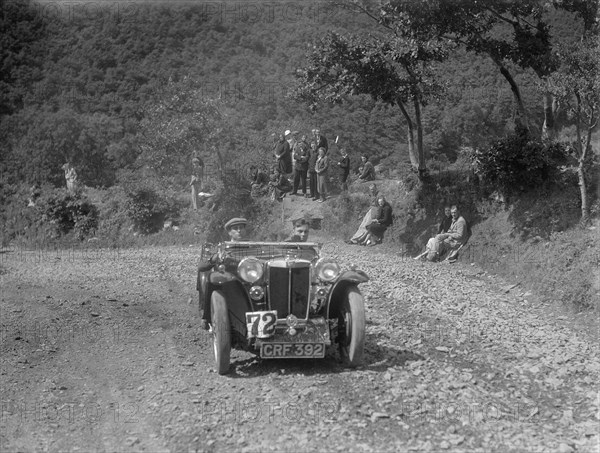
(101, 351)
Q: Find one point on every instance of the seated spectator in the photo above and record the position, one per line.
(361, 235)
(378, 225)
(366, 170)
(259, 182)
(279, 185)
(451, 241)
(446, 222)
(301, 230)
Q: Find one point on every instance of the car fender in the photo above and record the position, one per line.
(348, 278)
(236, 298)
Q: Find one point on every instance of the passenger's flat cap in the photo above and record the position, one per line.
(236, 221)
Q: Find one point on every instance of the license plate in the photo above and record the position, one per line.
(292, 350)
(261, 324)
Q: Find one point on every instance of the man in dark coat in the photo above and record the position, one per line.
(300, 169)
(284, 155)
(312, 171)
(344, 165)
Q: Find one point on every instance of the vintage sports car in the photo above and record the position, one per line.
(280, 300)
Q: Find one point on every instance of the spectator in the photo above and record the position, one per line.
(313, 155)
(361, 236)
(344, 165)
(280, 185)
(451, 241)
(300, 168)
(446, 221)
(321, 167)
(366, 170)
(259, 182)
(378, 225)
(321, 141)
(196, 180)
(283, 155)
(301, 230)
(70, 177)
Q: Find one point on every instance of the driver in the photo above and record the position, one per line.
(301, 230)
(236, 230)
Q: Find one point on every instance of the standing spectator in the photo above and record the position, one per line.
(283, 154)
(321, 168)
(300, 169)
(313, 155)
(70, 177)
(344, 165)
(321, 141)
(367, 171)
(196, 180)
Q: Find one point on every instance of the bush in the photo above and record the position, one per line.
(148, 209)
(517, 163)
(67, 213)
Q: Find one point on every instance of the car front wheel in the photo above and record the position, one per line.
(352, 323)
(221, 331)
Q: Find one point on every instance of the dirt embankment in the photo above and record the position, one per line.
(101, 351)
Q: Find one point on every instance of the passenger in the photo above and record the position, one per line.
(301, 230)
(378, 225)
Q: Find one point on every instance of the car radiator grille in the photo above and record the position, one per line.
(289, 288)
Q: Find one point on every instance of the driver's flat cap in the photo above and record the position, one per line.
(236, 221)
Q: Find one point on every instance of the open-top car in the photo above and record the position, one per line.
(280, 300)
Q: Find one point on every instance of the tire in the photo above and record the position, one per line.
(221, 331)
(352, 321)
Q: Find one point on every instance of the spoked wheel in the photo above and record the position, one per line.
(221, 331)
(352, 325)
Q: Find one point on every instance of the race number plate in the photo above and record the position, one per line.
(292, 350)
(261, 324)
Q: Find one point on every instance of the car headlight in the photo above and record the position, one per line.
(250, 269)
(327, 269)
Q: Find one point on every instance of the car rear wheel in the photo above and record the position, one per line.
(221, 331)
(352, 323)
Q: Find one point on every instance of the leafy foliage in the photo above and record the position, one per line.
(517, 163)
(68, 212)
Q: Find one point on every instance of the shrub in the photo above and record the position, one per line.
(148, 209)
(68, 213)
(517, 163)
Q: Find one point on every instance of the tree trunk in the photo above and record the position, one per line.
(420, 150)
(585, 209)
(549, 126)
(521, 114)
(410, 137)
(582, 149)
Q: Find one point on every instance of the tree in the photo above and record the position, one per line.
(577, 86)
(389, 68)
(505, 30)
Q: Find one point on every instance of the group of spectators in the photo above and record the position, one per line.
(305, 165)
